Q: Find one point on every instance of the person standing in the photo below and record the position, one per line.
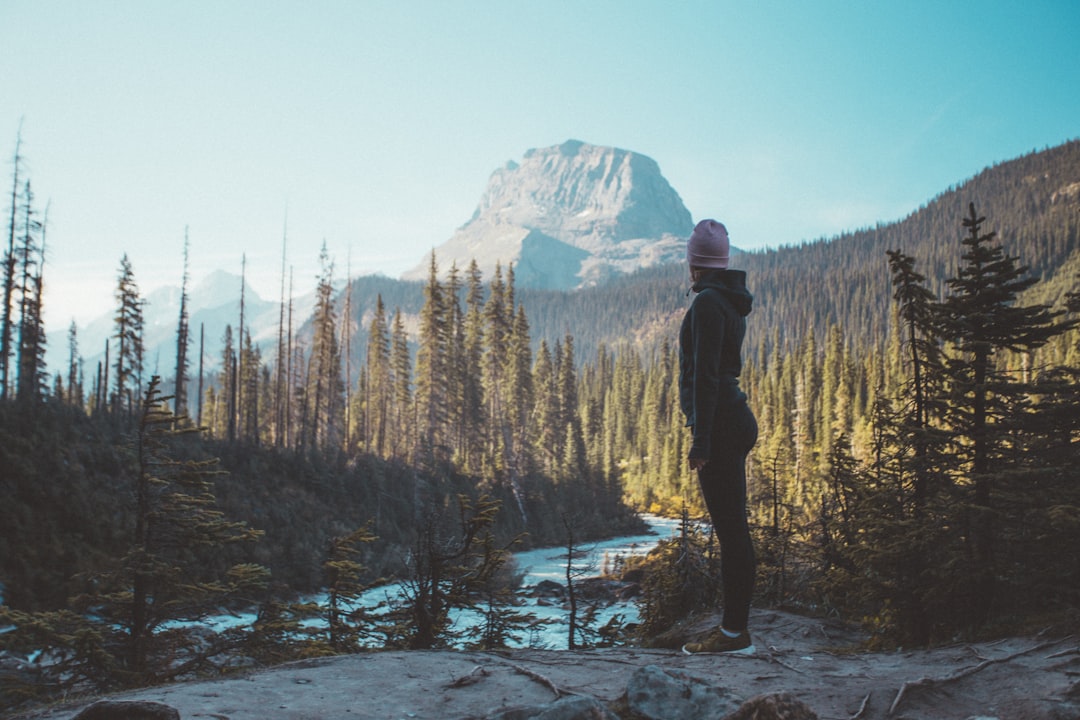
(722, 425)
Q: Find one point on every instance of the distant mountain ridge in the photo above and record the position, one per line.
(570, 216)
(1032, 202)
(213, 303)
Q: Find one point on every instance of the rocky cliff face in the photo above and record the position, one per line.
(570, 216)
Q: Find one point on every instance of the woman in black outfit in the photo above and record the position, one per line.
(723, 426)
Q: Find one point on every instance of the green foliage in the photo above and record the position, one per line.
(493, 598)
(347, 622)
(74, 654)
(450, 567)
(944, 529)
(125, 630)
(682, 579)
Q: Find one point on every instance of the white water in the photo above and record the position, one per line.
(550, 564)
(537, 565)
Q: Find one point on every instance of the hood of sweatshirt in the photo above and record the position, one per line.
(732, 285)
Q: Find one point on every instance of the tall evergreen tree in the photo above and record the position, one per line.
(403, 424)
(237, 383)
(497, 330)
(432, 368)
(249, 379)
(325, 386)
(224, 422)
(473, 418)
(30, 350)
(75, 379)
(281, 375)
(379, 392)
(982, 320)
(7, 318)
(545, 412)
(182, 339)
(128, 323)
(456, 369)
(163, 577)
(573, 449)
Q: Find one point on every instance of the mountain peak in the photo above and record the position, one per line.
(569, 216)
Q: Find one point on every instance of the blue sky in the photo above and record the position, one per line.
(373, 126)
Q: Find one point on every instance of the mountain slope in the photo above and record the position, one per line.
(1032, 203)
(570, 216)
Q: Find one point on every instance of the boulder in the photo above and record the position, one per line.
(659, 694)
(548, 589)
(574, 707)
(777, 706)
(128, 710)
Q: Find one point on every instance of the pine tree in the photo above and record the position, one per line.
(202, 356)
(403, 424)
(473, 413)
(448, 564)
(519, 406)
(250, 390)
(456, 370)
(10, 261)
(347, 622)
(238, 399)
(30, 348)
(281, 375)
(379, 392)
(128, 322)
(182, 339)
(982, 320)
(224, 423)
(325, 386)
(432, 369)
(75, 380)
(573, 447)
(497, 330)
(168, 574)
(346, 343)
(545, 413)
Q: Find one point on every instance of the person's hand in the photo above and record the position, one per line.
(697, 463)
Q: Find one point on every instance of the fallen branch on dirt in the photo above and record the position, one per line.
(862, 708)
(929, 681)
(771, 657)
(1063, 653)
(478, 673)
(533, 675)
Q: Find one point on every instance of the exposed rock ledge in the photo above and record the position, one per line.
(801, 665)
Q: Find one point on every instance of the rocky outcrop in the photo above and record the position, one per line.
(658, 694)
(802, 666)
(570, 216)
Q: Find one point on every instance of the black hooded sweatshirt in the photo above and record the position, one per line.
(710, 352)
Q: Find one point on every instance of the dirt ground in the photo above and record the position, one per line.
(817, 661)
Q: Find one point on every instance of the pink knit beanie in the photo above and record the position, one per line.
(708, 246)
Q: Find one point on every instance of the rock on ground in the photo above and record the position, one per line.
(812, 662)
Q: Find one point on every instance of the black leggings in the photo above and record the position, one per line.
(723, 486)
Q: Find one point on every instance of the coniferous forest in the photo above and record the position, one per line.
(916, 387)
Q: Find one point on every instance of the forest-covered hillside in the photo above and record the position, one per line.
(1033, 203)
(915, 386)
